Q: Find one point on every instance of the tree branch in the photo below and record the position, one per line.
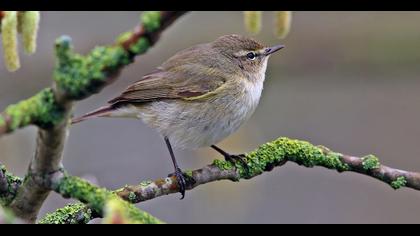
(75, 77)
(9, 185)
(97, 200)
(263, 159)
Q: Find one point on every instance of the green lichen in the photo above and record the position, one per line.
(151, 20)
(276, 152)
(41, 110)
(97, 197)
(13, 181)
(301, 152)
(80, 76)
(223, 165)
(2, 121)
(140, 46)
(78, 188)
(132, 197)
(123, 37)
(370, 162)
(145, 183)
(188, 173)
(399, 183)
(71, 214)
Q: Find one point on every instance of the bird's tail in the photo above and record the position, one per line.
(101, 112)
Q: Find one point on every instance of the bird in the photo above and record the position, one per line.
(197, 97)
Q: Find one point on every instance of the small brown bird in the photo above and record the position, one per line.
(197, 97)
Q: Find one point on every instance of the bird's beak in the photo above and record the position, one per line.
(272, 49)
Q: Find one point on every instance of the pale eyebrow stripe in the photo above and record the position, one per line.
(241, 53)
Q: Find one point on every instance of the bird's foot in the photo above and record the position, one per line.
(182, 183)
(237, 158)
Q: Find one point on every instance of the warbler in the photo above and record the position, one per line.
(197, 97)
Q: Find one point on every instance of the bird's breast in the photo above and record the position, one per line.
(194, 124)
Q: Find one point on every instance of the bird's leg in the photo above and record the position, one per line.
(232, 158)
(178, 173)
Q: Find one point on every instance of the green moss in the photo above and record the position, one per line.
(399, 182)
(80, 76)
(70, 214)
(370, 162)
(140, 46)
(151, 20)
(41, 110)
(97, 198)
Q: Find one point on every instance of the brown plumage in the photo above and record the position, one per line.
(199, 96)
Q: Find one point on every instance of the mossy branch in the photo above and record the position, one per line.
(9, 185)
(75, 77)
(263, 159)
(99, 198)
(99, 202)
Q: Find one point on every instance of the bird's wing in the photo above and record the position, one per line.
(180, 77)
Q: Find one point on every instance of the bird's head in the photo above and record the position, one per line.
(247, 54)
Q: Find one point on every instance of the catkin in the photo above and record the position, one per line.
(282, 21)
(9, 38)
(252, 21)
(29, 28)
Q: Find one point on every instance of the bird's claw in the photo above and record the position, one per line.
(237, 158)
(182, 183)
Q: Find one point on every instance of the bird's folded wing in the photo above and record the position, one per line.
(172, 84)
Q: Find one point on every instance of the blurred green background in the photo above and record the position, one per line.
(346, 80)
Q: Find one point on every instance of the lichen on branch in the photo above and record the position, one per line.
(97, 198)
(77, 213)
(41, 110)
(78, 76)
(9, 184)
(283, 149)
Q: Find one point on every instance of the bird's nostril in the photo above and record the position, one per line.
(268, 50)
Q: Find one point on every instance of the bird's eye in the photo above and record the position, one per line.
(251, 56)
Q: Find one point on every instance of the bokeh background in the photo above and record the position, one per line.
(346, 80)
